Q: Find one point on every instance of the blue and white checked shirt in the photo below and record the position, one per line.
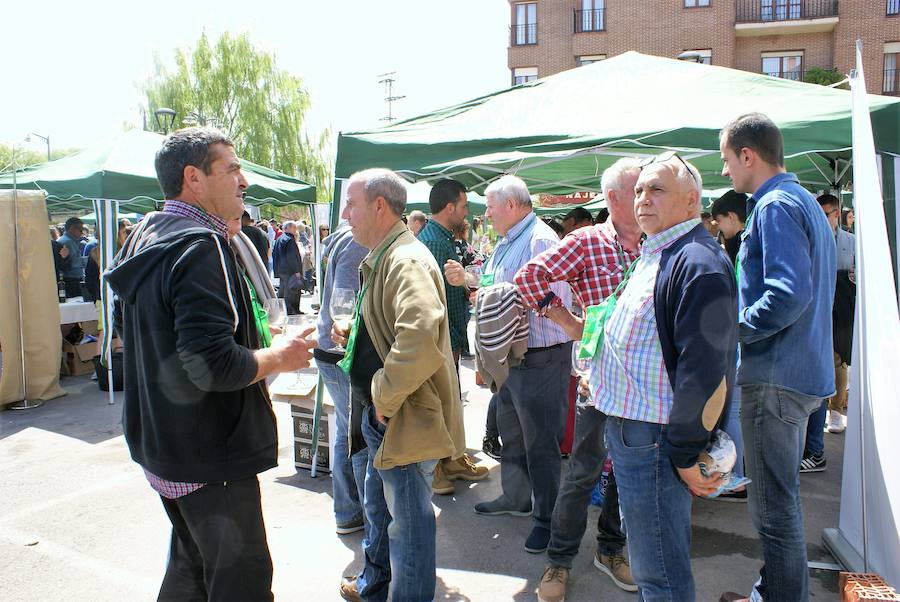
(629, 379)
(525, 240)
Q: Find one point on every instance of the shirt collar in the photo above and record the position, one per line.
(197, 214)
(658, 242)
(772, 182)
(435, 225)
(518, 228)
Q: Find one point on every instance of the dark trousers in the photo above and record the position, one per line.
(289, 290)
(571, 509)
(73, 287)
(218, 550)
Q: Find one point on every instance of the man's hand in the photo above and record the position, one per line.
(697, 483)
(296, 350)
(454, 273)
(583, 388)
(64, 251)
(574, 327)
(339, 335)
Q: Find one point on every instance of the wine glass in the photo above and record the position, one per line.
(294, 327)
(276, 312)
(342, 307)
(473, 275)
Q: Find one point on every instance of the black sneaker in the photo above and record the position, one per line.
(492, 447)
(813, 463)
(349, 527)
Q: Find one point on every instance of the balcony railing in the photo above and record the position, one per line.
(891, 85)
(523, 35)
(796, 76)
(765, 11)
(591, 20)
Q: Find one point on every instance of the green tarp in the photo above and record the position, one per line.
(122, 169)
(559, 133)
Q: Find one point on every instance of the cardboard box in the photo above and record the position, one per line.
(303, 456)
(303, 427)
(78, 360)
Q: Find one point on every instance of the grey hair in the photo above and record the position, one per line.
(417, 216)
(612, 176)
(379, 182)
(288, 224)
(688, 171)
(509, 187)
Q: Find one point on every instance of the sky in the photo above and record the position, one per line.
(78, 65)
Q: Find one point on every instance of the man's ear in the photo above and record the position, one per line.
(191, 177)
(748, 157)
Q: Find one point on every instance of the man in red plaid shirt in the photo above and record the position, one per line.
(593, 261)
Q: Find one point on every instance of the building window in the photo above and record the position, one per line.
(893, 7)
(525, 26)
(591, 17)
(780, 10)
(581, 61)
(695, 3)
(891, 84)
(787, 65)
(522, 75)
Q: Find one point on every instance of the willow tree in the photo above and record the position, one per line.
(239, 89)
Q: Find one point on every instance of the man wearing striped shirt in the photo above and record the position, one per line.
(593, 260)
(665, 373)
(533, 400)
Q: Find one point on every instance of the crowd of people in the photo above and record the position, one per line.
(684, 328)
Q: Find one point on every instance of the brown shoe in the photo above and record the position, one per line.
(463, 468)
(348, 589)
(553, 584)
(617, 568)
(733, 597)
(441, 485)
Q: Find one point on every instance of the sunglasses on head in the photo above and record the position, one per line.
(668, 156)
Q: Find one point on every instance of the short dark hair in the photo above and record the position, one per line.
(730, 202)
(758, 133)
(72, 222)
(828, 199)
(555, 225)
(579, 214)
(706, 215)
(443, 193)
(188, 146)
(602, 216)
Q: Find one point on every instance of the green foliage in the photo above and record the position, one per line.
(25, 157)
(823, 77)
(239, 89)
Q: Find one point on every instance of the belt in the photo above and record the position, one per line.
(536, 350)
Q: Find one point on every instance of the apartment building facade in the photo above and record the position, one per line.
(784, 38)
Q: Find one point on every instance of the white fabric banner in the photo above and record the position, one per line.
(870, 491)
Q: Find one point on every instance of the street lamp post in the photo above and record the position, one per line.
(165, 118)
(46, 139)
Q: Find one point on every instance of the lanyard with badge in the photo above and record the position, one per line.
(595, 316)
(487, 279)
(347, 363)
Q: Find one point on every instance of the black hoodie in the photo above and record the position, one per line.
(190, 412)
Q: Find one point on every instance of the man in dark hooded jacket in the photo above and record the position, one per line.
(197, 415)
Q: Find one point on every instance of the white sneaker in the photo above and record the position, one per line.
(835, 422)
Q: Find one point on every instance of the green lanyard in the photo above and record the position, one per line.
(347, 363)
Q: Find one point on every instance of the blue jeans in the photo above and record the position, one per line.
(656, 508)
(399, 547)
(570, 512)
(733, 428)
(815, 430)
(349, 475)
(774, 422)
(532, 406)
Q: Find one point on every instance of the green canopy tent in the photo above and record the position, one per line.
(559, 133)
(120, 173)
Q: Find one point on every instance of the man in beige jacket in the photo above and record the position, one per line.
(401, 370)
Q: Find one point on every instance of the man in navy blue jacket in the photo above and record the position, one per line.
(786, 285)
(287, 265)
(665, 373)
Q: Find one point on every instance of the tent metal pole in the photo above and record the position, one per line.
(25, 404)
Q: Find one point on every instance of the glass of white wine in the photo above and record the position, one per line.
(276, 312)
(342, 306)
(294, 327)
